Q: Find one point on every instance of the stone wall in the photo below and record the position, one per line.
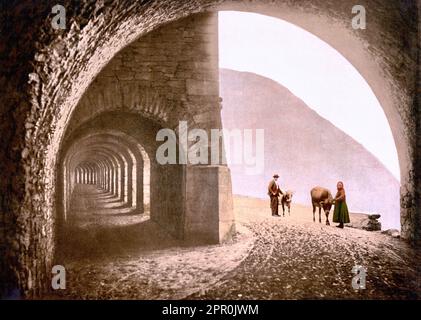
(44, 73)
(417, 138)
(167, 76)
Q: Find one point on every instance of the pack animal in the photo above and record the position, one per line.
(286, 201)
(321, 198)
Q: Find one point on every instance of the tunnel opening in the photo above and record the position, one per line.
(112, 162)
(162, 89)
(309, 100)
(113, 196)
(145, 84)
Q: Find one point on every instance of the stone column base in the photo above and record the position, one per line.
(209, 216)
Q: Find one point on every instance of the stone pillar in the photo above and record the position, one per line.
(209, 215)
(123, 185)
(129, 183)
(108, 178)
(139, 186)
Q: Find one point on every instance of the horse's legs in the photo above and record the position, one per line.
(314, 213)
(320, 215)
(283, 208)
(327, 218)
(289, 209)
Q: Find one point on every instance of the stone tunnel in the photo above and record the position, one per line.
(166, 77)
(112, 162)
(81, 108)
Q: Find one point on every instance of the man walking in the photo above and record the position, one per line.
(274, 191)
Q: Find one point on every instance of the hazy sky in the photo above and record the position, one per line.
(313, 71)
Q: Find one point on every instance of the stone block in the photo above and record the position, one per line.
(201, 87)
(209, 216)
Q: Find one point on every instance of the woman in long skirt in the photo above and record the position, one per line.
(340, 214)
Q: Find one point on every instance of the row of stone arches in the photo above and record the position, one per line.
(114, 162)
(52, 71)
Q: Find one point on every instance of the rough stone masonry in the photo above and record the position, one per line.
(45, 72)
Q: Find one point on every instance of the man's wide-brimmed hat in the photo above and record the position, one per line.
(276, 175)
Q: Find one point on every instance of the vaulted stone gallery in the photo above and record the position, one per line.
(81, 109)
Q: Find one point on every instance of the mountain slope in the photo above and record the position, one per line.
(303, 148)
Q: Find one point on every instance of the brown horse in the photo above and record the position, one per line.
(321, 198)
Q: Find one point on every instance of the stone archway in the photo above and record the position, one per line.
(396, 96)
(130, 186)
(96, 34)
